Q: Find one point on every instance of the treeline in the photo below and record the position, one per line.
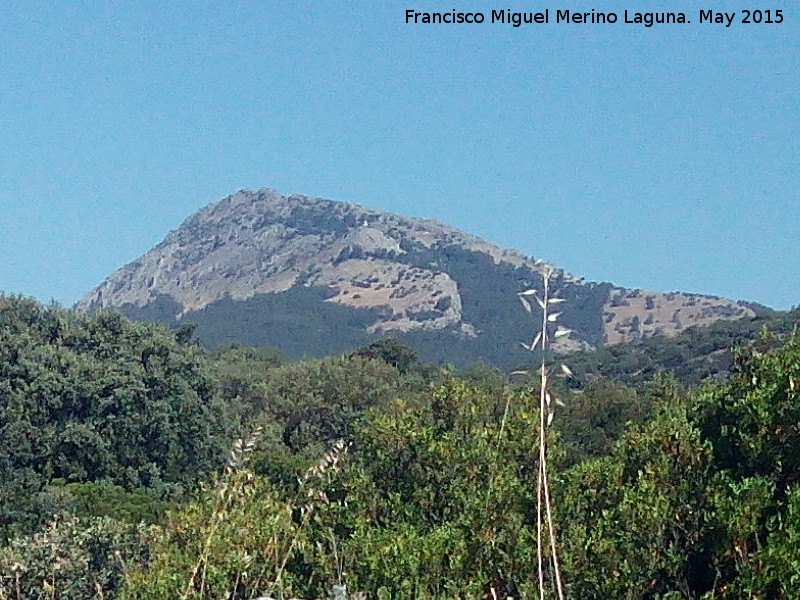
(134, 464)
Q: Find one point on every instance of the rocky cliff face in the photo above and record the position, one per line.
(403, 275)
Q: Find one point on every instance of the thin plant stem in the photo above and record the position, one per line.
(556, 567)
(539, 528)
(543, 491)
(542, 450)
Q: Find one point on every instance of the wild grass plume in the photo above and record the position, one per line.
(547, 404)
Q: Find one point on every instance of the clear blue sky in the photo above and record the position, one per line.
(663, 158)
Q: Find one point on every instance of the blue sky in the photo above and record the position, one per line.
(662, 158)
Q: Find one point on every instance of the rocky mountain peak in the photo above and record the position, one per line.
(401, 274)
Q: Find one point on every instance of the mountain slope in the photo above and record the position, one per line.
(314, 276)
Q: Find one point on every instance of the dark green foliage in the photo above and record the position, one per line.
(488, 292)
(162, 309)
(229, 543)
(596, 417)
(699, 502)
(632, 520)
(391, 351)
(240, 372)
(754, 418)
(99, 399)
(487, 378)
(778, 562)
(107, 500)
(299, 322)
(307, 406)
(442, 496)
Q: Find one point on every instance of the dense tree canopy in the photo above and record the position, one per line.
(101, 399)
(120, 471)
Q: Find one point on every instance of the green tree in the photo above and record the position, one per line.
(99, 399)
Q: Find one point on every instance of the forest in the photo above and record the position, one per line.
(136, 464)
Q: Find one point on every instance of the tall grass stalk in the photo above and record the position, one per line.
(236, 462)
(544, 511)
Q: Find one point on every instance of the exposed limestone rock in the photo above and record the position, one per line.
(635, 314)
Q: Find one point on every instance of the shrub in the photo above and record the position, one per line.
(73, 559)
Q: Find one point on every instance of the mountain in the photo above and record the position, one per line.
(313, 277)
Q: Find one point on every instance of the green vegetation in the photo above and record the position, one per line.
(136, 465)
(697, 354)
(289, 321)
(99, 400)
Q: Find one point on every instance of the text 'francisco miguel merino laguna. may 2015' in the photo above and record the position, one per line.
(594, 17)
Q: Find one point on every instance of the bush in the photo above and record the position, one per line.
(74, 559)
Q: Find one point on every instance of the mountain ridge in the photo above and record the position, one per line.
(392, 274)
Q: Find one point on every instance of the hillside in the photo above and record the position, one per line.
(693, 356)
(315, 277)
